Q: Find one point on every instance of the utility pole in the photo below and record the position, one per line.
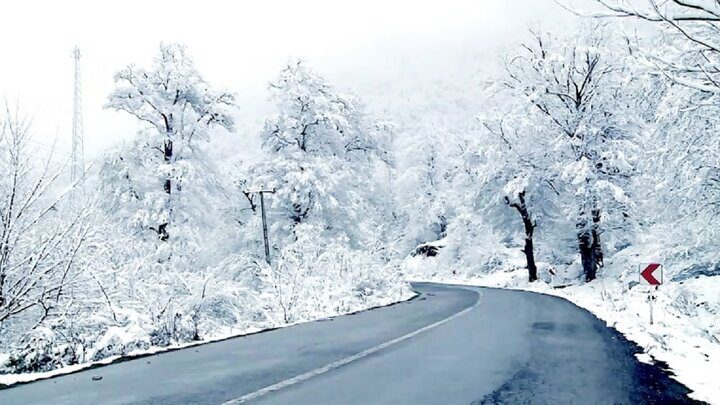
(77, 164)
(262, 192)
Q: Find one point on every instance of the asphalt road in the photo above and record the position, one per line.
(452, 345)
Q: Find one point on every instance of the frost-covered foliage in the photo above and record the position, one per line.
(584, 149)
(157, 182)
(578, 90)
(423, 206)
(314, 118)
(162, 201)
(45, 235)
(325, 158)
(681, 164)
(329, 213)
(690, 33)
(309, 278)
(555, 158)
(38, 245)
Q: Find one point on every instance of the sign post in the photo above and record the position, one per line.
(651, 274)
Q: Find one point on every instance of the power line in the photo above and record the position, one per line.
(50, 147)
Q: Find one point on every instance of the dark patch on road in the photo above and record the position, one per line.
(517, 390)
(549, 326)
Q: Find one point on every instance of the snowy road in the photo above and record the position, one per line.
(514, 347)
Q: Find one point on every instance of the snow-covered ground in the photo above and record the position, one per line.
(685, 333)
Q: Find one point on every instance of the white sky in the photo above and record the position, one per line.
(241, 45)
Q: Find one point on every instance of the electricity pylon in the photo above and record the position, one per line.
(77, 153)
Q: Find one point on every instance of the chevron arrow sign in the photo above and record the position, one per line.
(651, 274)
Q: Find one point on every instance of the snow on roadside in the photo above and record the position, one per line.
(10, 379)
(15, 378)
(685, 333)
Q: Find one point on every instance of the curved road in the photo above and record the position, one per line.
(452, 345)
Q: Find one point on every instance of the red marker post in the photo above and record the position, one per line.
(651, 274)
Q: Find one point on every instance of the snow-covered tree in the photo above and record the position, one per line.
(314, 118)
(38, 245)
(163, 165)
(515, 165)
(678, 176)
(683, 159)
(323, 157)
(691, 33)
(423, 204)
(167, 235)
(577, 88)
(327, 161)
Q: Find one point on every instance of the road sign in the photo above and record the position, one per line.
(651, 274)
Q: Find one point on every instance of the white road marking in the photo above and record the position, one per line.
(332, 366)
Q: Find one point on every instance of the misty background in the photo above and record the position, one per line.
(402, 58)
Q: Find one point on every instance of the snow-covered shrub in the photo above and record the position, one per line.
(56, 342)
(40, 352)
(310, 280)
(121, 340)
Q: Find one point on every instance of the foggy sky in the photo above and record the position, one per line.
(361, 46)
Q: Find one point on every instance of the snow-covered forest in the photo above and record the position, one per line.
(589, 153)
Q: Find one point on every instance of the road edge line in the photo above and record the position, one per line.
(339, 363)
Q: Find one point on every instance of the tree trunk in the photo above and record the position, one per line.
(167, 154)
(587, 253)
(529, 249)
(530, 258)
(2, 290)
(596, 244)
(443, 224)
